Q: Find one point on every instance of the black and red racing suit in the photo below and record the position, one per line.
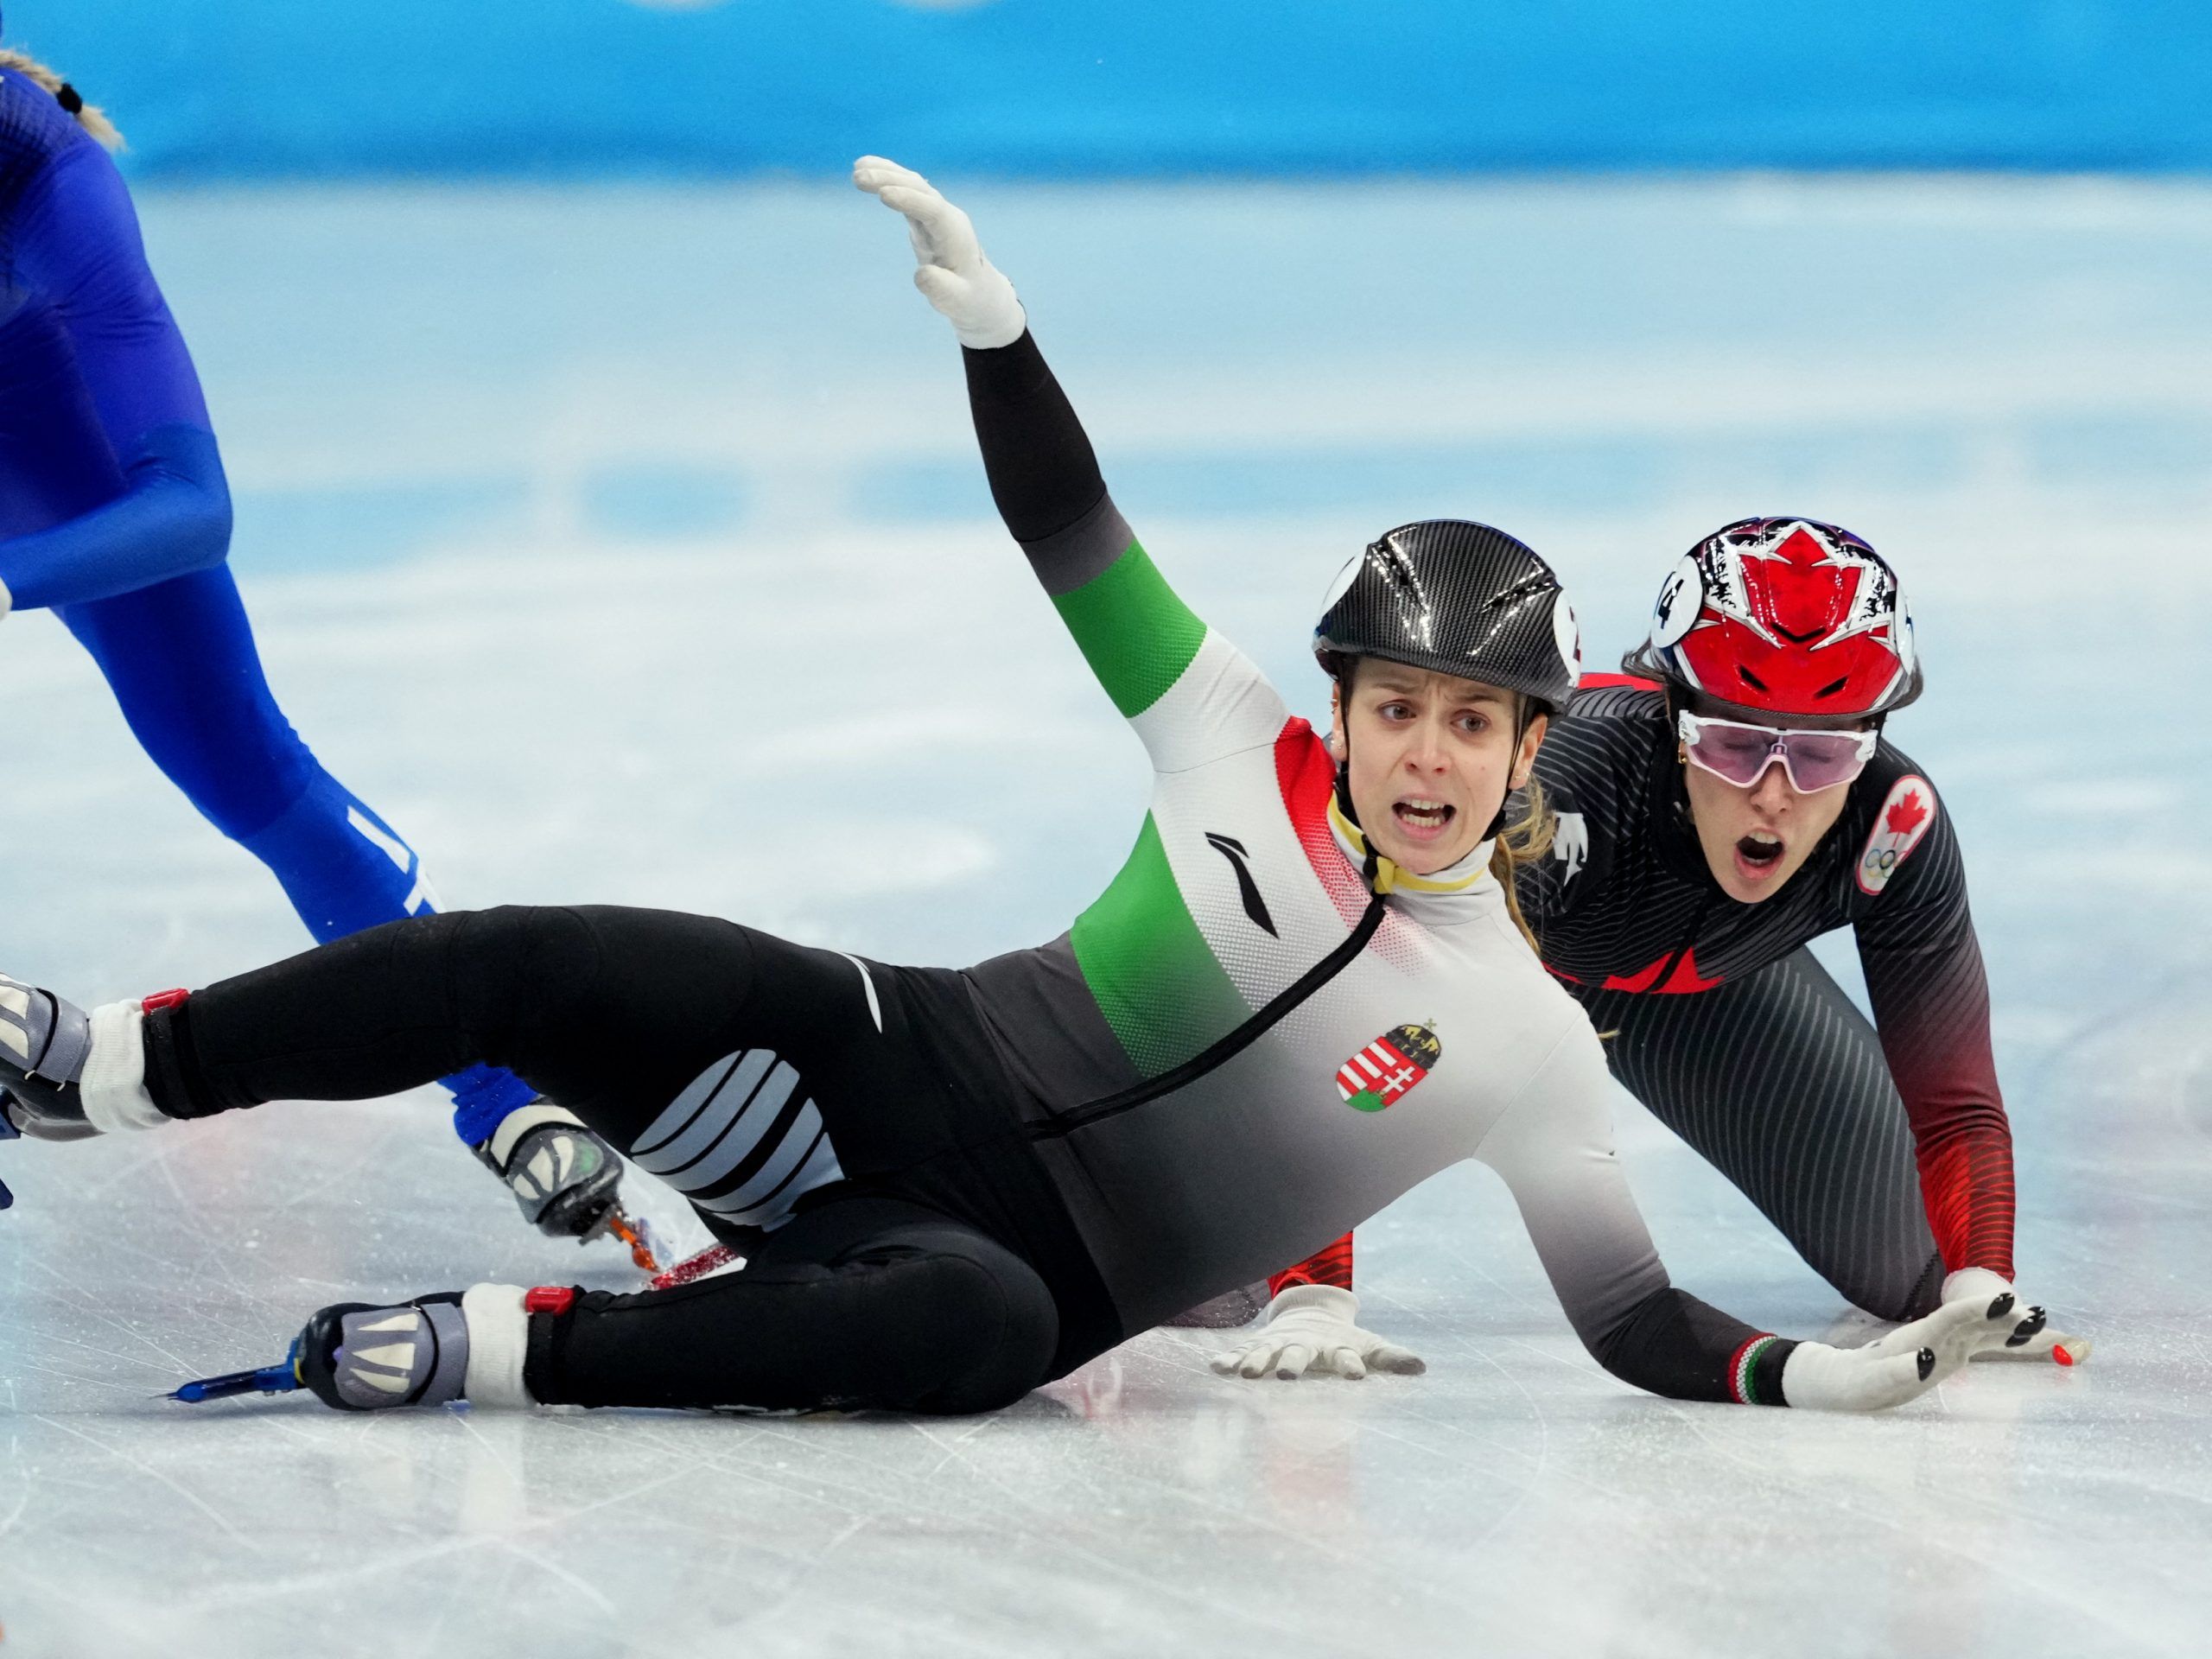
(1880, 1150)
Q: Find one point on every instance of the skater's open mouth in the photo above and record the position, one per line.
(1423, 819)
(1760, 849)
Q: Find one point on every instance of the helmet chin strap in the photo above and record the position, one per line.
(1344, 772)
(1521, 719)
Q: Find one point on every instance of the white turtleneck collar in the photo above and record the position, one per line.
(1457, 892)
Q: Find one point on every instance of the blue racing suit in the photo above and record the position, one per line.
(114, 514)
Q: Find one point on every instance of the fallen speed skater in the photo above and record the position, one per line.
(951, 1186)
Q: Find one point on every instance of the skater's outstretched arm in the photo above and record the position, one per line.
(1930, 998)
(101, 386)
(1555, 1147)
(1191, 694)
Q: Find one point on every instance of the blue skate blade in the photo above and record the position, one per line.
(271, 1379)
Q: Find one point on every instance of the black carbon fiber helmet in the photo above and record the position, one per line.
(1459, 598)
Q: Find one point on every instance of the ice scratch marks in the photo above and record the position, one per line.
(82, 1301)
(955, 1448)
(135, 1393)
(222, 1522)
(23, 1502)
(1104, 1555)
(583, 1587)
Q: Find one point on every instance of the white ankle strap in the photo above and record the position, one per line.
(521, 1121)
(113, 1087)
(498, 1341)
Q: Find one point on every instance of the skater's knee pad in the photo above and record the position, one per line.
(1926, 1292)
(1901, 1295)
(996, 1327)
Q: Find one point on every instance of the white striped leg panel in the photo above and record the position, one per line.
(743, 1140)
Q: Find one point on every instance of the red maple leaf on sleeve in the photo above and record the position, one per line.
(1906, 816)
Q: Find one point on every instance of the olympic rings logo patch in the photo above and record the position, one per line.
(1906, 816)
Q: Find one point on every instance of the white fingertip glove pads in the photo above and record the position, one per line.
(2040, 1342)
(1974, 1281)
(1315, 1328)
(1906, 1363)
(967, 290)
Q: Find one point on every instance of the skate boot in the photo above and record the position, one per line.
(431, 1350)
(356, 1357)
(43, 1044)
(565, 1179)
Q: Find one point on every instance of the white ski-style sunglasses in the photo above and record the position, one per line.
(1740, 753)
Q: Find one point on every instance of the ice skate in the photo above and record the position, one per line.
(357, 1357)
(565, 1179)
(428, 1350)
(43, 1044)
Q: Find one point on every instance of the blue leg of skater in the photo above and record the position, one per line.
(115, 512)
(180, 657)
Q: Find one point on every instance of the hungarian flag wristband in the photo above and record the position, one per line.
(1755, 1371)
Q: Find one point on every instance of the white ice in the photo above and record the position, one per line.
(628, 545)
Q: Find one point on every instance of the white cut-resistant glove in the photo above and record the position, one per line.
(950, 271)
(2032, 1337)
(1314, 1328)
(1907, 1362)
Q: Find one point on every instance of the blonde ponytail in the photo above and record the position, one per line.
(1519, 843)
(89, 116)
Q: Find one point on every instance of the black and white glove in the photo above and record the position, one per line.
(967, 290)
(1901, 1366)
(2032, 1337)
(1315, 1328)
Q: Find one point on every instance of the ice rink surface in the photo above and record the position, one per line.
(628, 545)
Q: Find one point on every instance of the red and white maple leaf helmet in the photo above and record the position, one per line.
(1784, 617)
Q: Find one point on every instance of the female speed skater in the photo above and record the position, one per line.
(114, 514)
(951, 1186)
(1728, 798)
